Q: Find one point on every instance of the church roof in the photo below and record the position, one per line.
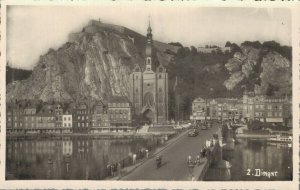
(118, 99)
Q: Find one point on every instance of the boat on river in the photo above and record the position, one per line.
(280, 138)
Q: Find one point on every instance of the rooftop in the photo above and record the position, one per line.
(119, 99)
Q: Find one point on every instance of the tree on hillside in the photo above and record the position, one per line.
(228, 44)
(285, 51)
(235, 48)
(193, 50)
(255, 44)
(176, 44)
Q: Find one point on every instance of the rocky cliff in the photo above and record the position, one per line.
(94, 64)
(262, 68)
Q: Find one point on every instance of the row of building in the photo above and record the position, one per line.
(30, 117)
(249, 107)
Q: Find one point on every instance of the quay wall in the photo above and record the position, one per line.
(200, 171)
(97, 135)
(256, 136)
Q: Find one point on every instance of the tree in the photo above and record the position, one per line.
(235, 48)
(176, 44)
(228, 44)
(255, 125)
(193, 50)
(255, 44)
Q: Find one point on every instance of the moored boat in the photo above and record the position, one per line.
(279, 138)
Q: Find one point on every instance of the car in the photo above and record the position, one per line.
(204, 127)
(193, 133)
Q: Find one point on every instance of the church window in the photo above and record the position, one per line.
(137, 70)
(159, 76)
(148, 84)
(148, 61)
(148, 69)
(160, 70)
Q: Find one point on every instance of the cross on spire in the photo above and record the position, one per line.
(149, 26)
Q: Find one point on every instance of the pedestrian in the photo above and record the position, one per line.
(189, 160)
(119, 169)
(134, 158)
(147, 153)
(198, 159)
(108, 168)
(211, 143)
(112, 170)
(115, 169)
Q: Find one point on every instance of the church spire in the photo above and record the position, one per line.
(149, 31)
(149, 47)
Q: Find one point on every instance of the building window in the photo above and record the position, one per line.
(136, 77)
(159, 76)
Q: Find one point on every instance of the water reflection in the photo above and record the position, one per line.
(249, 156)
(72, 158)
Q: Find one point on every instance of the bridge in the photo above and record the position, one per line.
(174, 159)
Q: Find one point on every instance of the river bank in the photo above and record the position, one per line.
(106, 135)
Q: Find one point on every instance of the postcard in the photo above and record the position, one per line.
(150, 94)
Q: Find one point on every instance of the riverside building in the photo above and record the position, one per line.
(249, 107)
(119, 114)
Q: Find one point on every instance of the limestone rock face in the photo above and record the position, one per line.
(94, 64)
(262, 70)
(277, 72)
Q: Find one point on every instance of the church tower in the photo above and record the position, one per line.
(149, 87)
(149, 50)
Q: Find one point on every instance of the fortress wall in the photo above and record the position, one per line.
(75, 36)
(101, 25)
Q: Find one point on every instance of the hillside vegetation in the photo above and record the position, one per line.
(264, 68)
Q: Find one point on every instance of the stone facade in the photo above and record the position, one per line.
(119, 114)
(149, 87)
(250, 107)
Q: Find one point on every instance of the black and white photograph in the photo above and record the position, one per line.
(148, 93)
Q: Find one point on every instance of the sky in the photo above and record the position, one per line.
(32, 30)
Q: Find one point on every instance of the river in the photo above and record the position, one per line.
(254, 160)
(73, 158)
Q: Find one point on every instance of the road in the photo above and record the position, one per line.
(174, 159)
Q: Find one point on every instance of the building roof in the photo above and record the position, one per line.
(119, 99)
(46, 110)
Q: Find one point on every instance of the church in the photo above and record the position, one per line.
(149, 87)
